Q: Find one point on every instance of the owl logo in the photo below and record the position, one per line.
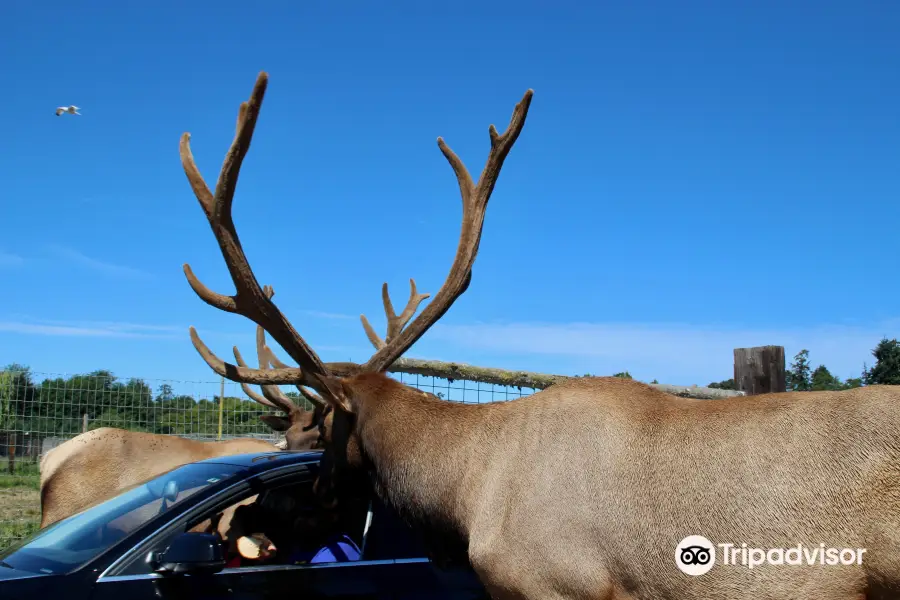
(695, 555)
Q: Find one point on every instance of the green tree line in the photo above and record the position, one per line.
(57, 406)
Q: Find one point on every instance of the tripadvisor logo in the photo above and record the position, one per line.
(696, 555)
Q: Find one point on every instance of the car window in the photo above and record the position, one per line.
(292, 529)
(285, 525)
(72, 542)
(281, 524)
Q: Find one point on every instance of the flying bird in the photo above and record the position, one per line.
(72, 110)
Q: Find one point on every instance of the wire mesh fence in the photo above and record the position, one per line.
(39, 411)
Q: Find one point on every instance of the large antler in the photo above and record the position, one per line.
(475, 198)
(249, 299)
(253, 302)
(272, 396)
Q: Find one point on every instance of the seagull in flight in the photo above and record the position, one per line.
(72, 110)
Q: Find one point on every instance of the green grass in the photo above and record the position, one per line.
(23, 468)
(19, 481)
(26, 474)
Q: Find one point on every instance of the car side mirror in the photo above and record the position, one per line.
(170, 492)
(191, 553)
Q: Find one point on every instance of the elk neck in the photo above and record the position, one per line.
(420, 451)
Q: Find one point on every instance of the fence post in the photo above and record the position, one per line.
(11, 443)
(759, 370)
(221, 403)
(84, 423)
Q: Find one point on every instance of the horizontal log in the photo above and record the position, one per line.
(694, 391)
(452, 371)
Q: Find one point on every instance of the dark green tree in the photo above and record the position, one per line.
(886, 370)
(822, 379)
(164, 392)
(16, 395)
(853, 382)
(798, 377)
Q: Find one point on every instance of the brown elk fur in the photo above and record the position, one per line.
(585, 489)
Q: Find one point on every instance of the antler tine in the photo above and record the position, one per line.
(245, 374)
(265, 357)
(395, 324)
(475, 199)
(273, 360)
(272, 396)
(312, 396)
(271, 392)
(249, 300)
(253, 395)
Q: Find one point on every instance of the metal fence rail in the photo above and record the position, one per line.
(39, 411)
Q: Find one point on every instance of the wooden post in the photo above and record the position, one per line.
(759, 370)
(221, 404)
(84, 422)
(11, 443)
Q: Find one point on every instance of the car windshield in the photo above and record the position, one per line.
(70, 543)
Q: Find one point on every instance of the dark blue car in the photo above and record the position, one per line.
(137, 545)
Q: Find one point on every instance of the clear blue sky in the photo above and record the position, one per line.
(692, 177)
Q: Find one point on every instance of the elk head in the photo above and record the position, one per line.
(348, 390)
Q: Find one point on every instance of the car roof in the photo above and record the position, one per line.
(258, 462)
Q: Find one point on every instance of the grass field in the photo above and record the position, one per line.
(20, 504)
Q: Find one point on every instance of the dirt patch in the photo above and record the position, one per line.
(20, 513)
(19, 503)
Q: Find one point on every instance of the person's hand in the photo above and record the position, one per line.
(256, 547)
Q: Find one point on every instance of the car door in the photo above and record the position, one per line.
(133, 577)
(393, 564)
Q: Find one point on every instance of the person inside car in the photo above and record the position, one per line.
(282, 527)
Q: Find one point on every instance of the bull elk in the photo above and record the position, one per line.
(100, 463)
(585, 489)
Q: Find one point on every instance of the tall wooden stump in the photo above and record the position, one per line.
(759, 370)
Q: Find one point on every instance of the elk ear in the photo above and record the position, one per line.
(336, 393)
(276, 422)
